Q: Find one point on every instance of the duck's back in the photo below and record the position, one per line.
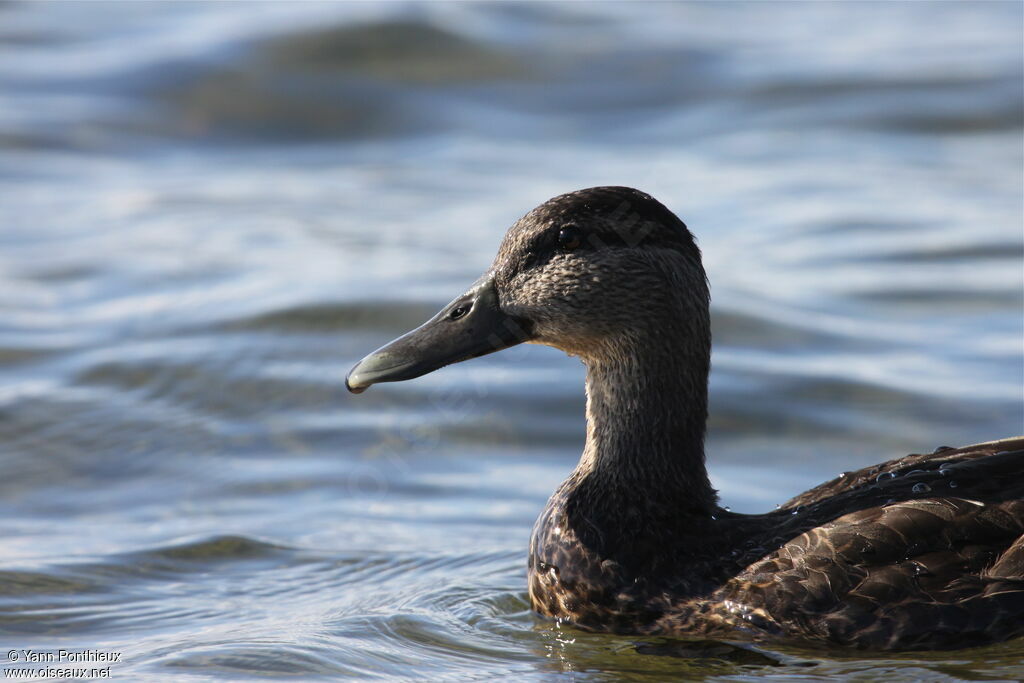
(924, 552)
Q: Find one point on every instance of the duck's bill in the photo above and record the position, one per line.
(470, 326)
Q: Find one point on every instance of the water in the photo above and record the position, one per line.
(208, 212)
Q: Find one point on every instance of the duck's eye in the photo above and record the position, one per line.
(569, 238)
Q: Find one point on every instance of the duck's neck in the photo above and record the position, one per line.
(646, 417)
(641, 484)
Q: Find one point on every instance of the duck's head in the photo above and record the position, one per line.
(593, 272)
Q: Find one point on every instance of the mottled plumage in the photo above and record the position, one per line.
(922, 552)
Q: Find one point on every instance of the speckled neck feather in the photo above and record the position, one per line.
(646, 414)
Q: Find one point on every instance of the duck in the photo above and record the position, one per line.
(923, 552)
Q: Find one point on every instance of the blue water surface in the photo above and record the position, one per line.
(210, 211)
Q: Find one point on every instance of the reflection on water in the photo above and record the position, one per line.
(208, 212)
